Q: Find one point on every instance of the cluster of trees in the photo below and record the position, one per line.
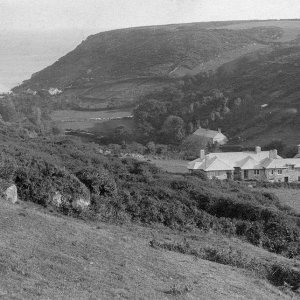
(29, 114)
(171, 115)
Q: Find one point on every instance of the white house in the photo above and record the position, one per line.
(211, 135)
(255, 165)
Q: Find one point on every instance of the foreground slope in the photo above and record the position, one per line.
(49, 256)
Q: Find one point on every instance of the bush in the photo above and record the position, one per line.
(38, 180)
(8, 167)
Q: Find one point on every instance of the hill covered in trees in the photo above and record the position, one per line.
(240, 76)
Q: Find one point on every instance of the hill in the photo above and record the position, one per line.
(44, 255)
(194, 231)
(121, 65)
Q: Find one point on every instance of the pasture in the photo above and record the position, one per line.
(84, 120)
(171, 165)
(291, 28)
(290, 197)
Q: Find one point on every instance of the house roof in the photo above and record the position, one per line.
(282, 163)
(209, 164)
(208, 133)
(230, 160)
(248, 163)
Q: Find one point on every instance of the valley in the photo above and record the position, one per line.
(247, 59)
(149, 161)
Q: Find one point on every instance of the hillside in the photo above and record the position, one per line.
(117, 67)
(256, 60)
(178, 234)
(45, 255)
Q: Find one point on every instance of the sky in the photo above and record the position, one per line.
(98, 15)
(35, 33)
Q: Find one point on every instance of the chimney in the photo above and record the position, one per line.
(298, 149)
(273, 154)
(219, 130)
(257, 149)
(202, 153)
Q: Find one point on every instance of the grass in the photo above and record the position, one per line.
(291, 29)
(290, 197)
(72, 119)
(47, 256)
(171, 165)
(277, 272)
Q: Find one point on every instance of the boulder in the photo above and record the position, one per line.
(56, 199)
(9, 192)
(81, 203)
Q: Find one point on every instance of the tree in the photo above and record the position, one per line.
(192, 145)
(151, 148)
(7, 110)
(276, 144)
(173, 130)
(148, 117)
(122, 134)
(190, 128)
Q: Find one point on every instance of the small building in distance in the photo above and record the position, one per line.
(211, 136)
(255, 165)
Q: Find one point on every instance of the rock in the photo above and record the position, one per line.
(57, 199)
(81, 203)
(11, 194)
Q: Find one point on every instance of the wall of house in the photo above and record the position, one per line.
(252, 175)
(293, 175)
(217, 174)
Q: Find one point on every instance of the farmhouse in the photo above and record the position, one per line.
(211, 135)
(256, 165)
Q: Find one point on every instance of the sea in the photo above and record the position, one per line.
(23, 53)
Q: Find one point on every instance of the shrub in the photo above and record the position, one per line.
(38, 180)
(99, 182)
(8, 167)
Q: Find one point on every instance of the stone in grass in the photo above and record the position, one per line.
(8, 191)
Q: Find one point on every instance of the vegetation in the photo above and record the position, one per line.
(130, 190)
(277, 273)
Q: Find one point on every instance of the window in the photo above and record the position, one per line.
(279, 171)
(272, 172)
(256, 172)
(298, 178)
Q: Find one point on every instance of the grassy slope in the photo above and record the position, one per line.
(54, 257)
(290, 197)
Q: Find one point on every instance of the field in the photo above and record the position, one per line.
(291, 29)
(84, 120)
(288, 197)
(171, 165)
(47, 256)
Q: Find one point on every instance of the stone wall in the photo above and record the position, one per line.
(292, 175)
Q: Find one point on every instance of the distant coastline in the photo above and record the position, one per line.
(23, 53)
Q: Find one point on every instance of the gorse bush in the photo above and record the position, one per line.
(8, 167)
(38, 180)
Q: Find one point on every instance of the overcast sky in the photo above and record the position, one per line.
(106, 14)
